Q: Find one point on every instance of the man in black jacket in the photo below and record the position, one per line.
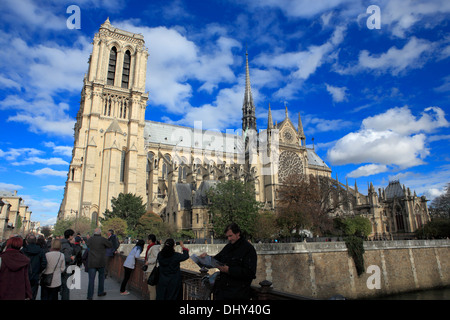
(38, 262)
(239, 269)
(96, 262)
(68, 250)
(110, 252)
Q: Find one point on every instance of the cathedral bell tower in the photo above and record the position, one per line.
(108, 151)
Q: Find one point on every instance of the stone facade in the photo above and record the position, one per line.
(12, 208)
(171, 167)
(109, 154)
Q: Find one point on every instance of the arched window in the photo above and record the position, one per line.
(399, 219)
(94, 217)
(112, 66)
(164, 171)
(126, 69)
(122, 166)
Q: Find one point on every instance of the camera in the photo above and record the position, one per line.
(177, 243)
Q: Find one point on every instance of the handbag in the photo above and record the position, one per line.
(46, 278)
(154, 276)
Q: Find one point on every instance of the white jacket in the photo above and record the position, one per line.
(130, 261)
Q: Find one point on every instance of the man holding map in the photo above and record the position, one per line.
(237, 264)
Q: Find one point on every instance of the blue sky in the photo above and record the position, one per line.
(376, 101)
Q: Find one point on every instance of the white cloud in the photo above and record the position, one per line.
(302, 8)
(33, 160)
(402, 121)
(302, 64)
(61, 150)
(175, 60)
(34, 14)
(402, 15)
(384, 147)
(14, 153)
(224, 112)
(313, 124)
(368, 170)
(48, 172)
(52, 187)
(43, 71)
(43, 209)
(8, 83)
(337, 93)
(395, 60)
(10, 186)
(394, 138)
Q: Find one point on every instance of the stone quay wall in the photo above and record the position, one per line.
(324, 269)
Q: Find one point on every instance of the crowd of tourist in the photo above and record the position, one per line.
(33, 262)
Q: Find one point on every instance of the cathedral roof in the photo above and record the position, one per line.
(186, 137)
(200, 195)
(184, 192)
(314, 159)
(394, 189)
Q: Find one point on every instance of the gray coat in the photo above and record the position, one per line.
(97, 251)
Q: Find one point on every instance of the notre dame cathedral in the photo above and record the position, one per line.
(171, 167)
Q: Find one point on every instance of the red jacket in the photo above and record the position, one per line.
(14, 281)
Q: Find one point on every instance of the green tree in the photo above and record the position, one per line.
(357, 226)
(267, 226)
(46, 231)
(151, 223)
(18, 224)
(119, 226)
(82, 225)
(435, 229)
(128, 207)
(233, 201)
(355, 229)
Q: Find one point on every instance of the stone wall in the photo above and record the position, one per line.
(323, 270)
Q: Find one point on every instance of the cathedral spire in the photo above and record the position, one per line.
(248, 107)
(269, 120)
(301, 134)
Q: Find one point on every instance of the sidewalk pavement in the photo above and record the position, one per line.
(112, 289)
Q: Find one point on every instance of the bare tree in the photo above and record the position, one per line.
(440, 206)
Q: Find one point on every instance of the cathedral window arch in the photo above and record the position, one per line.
(164, 171)
(399, 219)
(122, 166)
(94, 217)
(418, 215)
(126, 69)
(112, 66)
(150, 157)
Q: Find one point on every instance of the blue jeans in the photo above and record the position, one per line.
(101, 281)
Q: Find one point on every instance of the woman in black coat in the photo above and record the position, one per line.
(170, 286)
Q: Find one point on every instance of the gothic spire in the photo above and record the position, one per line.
(301, 134)
(269, 120)
(248, 107)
